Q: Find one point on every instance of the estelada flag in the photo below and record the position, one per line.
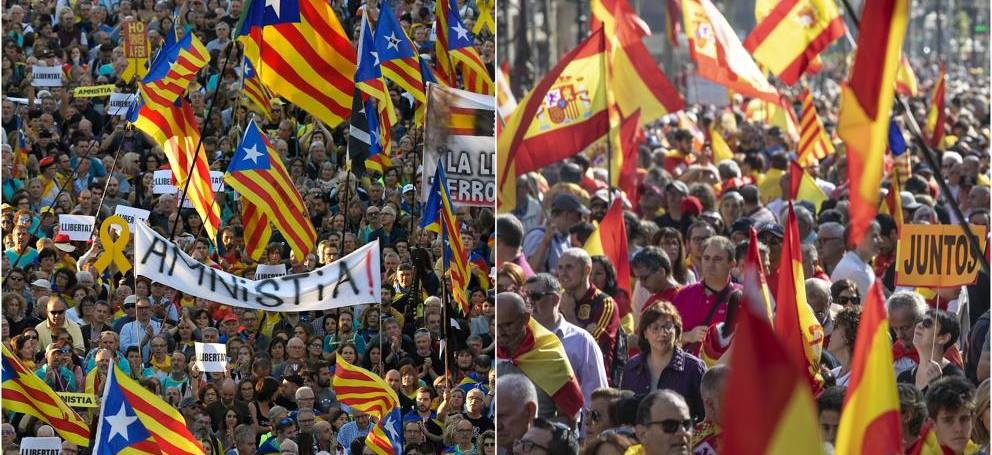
(793, 34)
(562, 115)
(719, 54)
(542, 358)
(866, 102)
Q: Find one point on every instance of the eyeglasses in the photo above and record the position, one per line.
(16, 279)
(851, 300)
(595, 416)
(535, 296)
(824, 240)
(56, 312)
(525, 446)
(671, 426)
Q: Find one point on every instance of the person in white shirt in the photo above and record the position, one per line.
(140, 331)
(856, 263)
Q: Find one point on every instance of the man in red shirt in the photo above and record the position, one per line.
(585, 306)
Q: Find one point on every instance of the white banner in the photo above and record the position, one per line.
(263, 271)
(119, 103)
(162, 182)
(352, 280)
(77, 227)
(41, 446)
(131, 213)
(466, 144)
(211, 357)
(46, 76)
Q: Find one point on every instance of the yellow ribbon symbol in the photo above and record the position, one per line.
(113, 250)
(485, 19)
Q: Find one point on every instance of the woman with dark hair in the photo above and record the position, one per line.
(662, 363)
(845, 292)
(24, 348)
(671, 240)
(277, 353)
(63, 282)
(265, 391)
(604, 277)
(841, 344)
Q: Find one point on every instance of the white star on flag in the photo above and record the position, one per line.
(388, 425)
(460, 30)
(393, 41)
(275, 4)
(252, 153)
(119, 423)
(375, 55)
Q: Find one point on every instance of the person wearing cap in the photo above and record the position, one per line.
(50, 180)
(545, 244)
(285, 432)
(54, 372)
(409, 203)
(675, 192)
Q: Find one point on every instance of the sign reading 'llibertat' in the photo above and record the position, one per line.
(938, 255)
(77, 227)
(46, 76)
(41, 446)
(352, 280)
(211, 357)
(461, 127)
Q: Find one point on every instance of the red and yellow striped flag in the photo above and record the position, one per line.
(610, 240)
(257, 230)
(814, 144)
(363, 390)
(542, 357)
(795, 323)
(173, 70)
(174, 129)
(937, 116)
(906, 83)
(793, 33)
(455, 48)
(870, 420)
(26, 393)
(765, 385)
(866, 103)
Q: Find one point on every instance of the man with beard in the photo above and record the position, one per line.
(112, 197)
(320, 383)
(422, 413)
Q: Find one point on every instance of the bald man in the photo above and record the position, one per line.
(664, 425)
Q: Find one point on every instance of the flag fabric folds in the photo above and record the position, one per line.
(609, 14)
(631, 137)
(870, 421)
(541, 356)
(764, 385)
(398, 59)
(790, 38)
(756, 298)
(258, 174)
(906, 83)
(610, 240)
(563, 114)
(368, 78)
(386, 436)
(174, 129)
(302, 54)
(364, 141)
(134, 420)
(257, 93)
(505, 101)
(719, 54)
(814, 145)
(804, 187)
(866, 100)
(937, 116)
(26, 393)
(795, 323)
(363, 390)
(439, 217)
(257, 230)
(455, 48)
(174, 68)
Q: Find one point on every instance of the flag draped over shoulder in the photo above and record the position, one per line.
(455, 48)
(793, 34)
(542, 357)
(765, 385)
(174, 128)
(439, 217)
(814, 144)
(795, 323)
(258, 174)
(936, 116)
(719, 54)
(866, 100)
(870, 421)
(610, 240)
(563, 114)
(302, 54)
(26, 393)
(136, 421)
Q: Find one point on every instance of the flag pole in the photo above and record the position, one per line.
(928, 156)
(199, 142)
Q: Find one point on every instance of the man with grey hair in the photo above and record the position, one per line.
(305, 399)
(586, 306)
(544, 294)
(516, 408)
(906, 309)
(830, 245)
(245, 442)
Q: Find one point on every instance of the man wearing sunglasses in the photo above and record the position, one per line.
(56, 309)
(664, 425)
(54, 372)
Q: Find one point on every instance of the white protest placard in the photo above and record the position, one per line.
(162, 182)
(217, 180)
(46, 76)
(263, 271)
(119, 103)
(132, 213)
(211, 357)
(41, 446)
(467, 148)
(77, 227)
(351, 280)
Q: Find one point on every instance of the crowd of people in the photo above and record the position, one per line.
(650, 364)
(70, 323)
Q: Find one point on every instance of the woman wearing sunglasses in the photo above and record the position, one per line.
(934, 335)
